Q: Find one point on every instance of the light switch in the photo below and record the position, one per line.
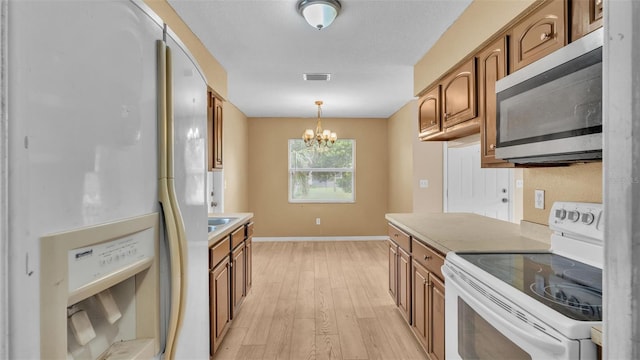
(519, 183)
(539, 199)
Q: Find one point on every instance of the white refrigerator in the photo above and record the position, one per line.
(85, 102)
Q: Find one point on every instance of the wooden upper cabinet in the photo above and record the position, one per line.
(539, 34)
(429, 113)
(586, 16)
(214, 131)
(492, 66)
(459, 95)
(217, 133)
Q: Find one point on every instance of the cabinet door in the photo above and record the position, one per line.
(217, 134)
(586, 16)
(420, 304)
(459, 95)
(539, 34)
(210, 132)
(492, 66)
(249, 264)
(436, 315)
(237, 279)
(393, 270)
(404, 284)
(219, 295)
(429, 113)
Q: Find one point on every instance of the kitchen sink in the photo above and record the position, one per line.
(217, 223)
(220, 221)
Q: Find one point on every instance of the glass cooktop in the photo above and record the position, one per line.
(572, 288)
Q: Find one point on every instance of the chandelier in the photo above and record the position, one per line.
(321, 138)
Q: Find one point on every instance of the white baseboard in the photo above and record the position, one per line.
(320, 238)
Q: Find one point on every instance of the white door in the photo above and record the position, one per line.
(473, 189)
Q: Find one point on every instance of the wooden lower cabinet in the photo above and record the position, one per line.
(436, 351)
(404, 284)
(393, 270)
(237, 278)
(248, 264)
(428, 321)
(219, 296)
(229, 280)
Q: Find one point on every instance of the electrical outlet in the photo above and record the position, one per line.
(519, 184)
(539, 199)
(424, 183)
(317, 221)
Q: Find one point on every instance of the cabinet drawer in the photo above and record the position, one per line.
(250, 229)
(237, 237)
(218, 252)
(428, 258)
(400, 238)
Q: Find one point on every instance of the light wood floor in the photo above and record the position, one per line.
(319, 300)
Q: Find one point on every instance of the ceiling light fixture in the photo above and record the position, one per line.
(321, 138)
(319, 13)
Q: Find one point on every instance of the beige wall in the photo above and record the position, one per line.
(268, 180)
(401, 127)
(579, 182)
(479, 22)
(214, 72)
(427, 165)
(235, 142)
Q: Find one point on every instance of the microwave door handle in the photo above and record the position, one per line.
(481, 307)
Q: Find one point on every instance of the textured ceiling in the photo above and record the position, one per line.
(370, 49)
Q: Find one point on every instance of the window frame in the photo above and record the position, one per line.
(351, 170)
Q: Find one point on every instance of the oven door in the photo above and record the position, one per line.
(479, 326)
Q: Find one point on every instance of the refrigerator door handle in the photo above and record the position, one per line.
(166, 192)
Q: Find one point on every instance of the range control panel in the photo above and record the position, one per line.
(92, 263)
(584, 219)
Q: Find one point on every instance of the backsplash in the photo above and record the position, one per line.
(578, 182)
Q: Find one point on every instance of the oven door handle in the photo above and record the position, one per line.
(480, 305)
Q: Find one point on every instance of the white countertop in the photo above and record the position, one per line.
(464, 232)
(239, 219)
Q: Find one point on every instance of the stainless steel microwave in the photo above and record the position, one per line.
(551, 110)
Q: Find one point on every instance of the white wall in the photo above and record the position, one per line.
(4, 221)
(621, 179)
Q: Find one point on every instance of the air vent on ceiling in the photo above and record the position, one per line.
(317, 77)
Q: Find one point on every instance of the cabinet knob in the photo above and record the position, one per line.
(598, 2)
(545, 36)
(395, 235)
(492, 146)
(427, 257)
(446, 115)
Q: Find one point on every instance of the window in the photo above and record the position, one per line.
(323, 175)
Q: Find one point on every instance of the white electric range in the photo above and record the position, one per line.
(529, 305)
